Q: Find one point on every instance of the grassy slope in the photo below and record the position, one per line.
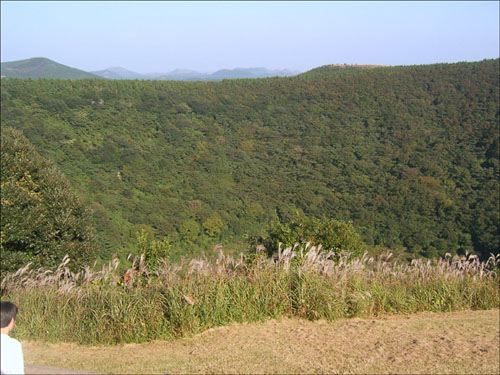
(430, 343)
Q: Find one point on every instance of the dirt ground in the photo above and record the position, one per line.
(426, 343)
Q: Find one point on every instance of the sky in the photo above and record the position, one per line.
(157, 36)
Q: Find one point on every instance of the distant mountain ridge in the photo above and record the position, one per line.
(118, 73)
(41, 67)
(192, 75)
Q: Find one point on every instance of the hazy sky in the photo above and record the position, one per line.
(206, 36)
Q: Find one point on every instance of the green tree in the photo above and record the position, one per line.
(152, 249)
(330, 233)
(42, 219)
(213, 225)
(189, 230)
(254, 210)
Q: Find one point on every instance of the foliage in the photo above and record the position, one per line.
(213, 225)
(189, 298)
(189, 230)
(331, 234)
(408, 154)
(153, 250)
(42, 218)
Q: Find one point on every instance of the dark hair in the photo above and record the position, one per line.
(8, 311)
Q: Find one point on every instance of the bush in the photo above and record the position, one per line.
(153, 250)
(332, 234)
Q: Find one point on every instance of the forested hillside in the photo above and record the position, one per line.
(409, 154)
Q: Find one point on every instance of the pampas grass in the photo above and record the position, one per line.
(107, 305)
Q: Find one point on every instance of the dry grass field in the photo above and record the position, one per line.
(427, 343)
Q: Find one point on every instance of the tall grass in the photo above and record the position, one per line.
(106, 306)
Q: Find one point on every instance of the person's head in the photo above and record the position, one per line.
(8, 312)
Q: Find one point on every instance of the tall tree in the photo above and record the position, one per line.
(42, 219)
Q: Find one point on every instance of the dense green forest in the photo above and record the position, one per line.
(409, 155)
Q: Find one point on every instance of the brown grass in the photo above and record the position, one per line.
(426, 343)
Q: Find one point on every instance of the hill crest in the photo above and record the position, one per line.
(343, 67)
(41, 67)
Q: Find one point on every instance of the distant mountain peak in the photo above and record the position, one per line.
(41, 67)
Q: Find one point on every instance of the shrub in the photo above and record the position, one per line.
(153, 250)
(331, 234)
